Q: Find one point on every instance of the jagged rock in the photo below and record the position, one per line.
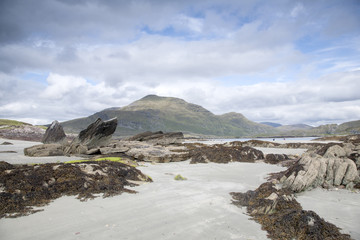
(54, 134)
(223, 154)
(313, 170)
(7, 143)
(282, 216)
(44, 150)
(275, 158)
(96, 135)
(159, 138)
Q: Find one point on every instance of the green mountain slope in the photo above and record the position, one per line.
(154, 113)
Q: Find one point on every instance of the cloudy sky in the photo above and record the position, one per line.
(281, 61)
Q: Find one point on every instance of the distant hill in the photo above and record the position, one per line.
(154, 113)
(272, 124)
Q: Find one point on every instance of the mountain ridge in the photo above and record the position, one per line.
(169, 114)
(154, 113)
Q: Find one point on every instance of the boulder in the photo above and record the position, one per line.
(44, 150)
(159, 138)
(97, 134)
(54, 134)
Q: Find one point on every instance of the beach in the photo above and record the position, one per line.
(197, 208)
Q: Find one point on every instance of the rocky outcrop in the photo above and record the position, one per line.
(26, 186)
(224, 154)
(283, 217)
(54, 134)
(7, 143)
(327, 166)
(44, 150)
(25, 132)
(96, 135)
(159, 138)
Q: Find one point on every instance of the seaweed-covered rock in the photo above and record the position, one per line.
(24, 186)
(275, 158)
(223, 154)
(282, 216)
(54, 134)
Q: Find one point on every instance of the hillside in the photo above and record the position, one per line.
(154, 113)
(12, 129)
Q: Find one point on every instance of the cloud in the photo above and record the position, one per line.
(283, 61)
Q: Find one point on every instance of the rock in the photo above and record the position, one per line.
(97, 134)
(7, 143)
(275, 158)
(145, 151)
(223, 154)
(44, 150)
(159, 138)
(335, 151)
(313, 170)
(54, 134)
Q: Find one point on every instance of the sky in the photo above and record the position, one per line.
(280, 61)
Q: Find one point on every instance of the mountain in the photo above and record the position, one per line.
(154, 113)
(272, 124)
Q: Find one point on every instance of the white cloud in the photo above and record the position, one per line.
(103, 54)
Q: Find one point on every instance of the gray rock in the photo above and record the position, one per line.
(98, 134)
(313, 170)
(159, 138)
(44, 150)
(54, 134)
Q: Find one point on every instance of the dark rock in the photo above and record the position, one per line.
(25, 186)
(159, 138)
(283, 217)
(223, 154)
(275, 158)
(97, 134)
(7, 143)
(54, 134)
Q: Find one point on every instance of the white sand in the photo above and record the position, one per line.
(340, 207)
(20, 158)
(198, 208)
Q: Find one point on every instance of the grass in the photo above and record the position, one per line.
(179, 178)
(112, 159)
(12, 122)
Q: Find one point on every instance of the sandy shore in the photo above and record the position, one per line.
(198, 208)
